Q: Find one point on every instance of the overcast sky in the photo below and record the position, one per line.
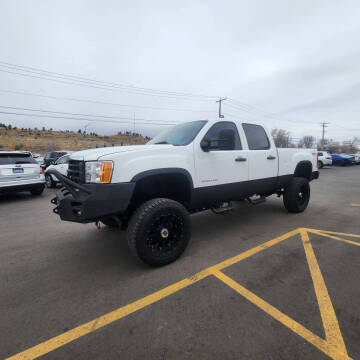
(295, 63)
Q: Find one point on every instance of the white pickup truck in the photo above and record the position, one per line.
(151, 189)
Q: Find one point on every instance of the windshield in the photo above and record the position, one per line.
(182, 134)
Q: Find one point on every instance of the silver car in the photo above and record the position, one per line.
(19, 171)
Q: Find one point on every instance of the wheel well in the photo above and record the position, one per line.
(175, 186)
(303, 169)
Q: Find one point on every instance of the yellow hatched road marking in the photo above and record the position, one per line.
(334, 345)
(325, 346)
(91, 326)
(330, 323)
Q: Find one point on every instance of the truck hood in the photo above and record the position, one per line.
(96, 154)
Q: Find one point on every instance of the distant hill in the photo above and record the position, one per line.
(41, 141)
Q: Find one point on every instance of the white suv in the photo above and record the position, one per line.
(61, 165)
(20, 171)
(324, 158)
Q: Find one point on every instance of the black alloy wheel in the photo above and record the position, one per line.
(159, 231)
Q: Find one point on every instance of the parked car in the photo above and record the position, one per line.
(152, 189)
(51, 157)
(342, 159)
(39, 158)
(61, 165)
(324, 158)
(357, 158)
(20, 171)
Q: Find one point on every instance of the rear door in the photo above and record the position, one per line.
(17, 167)
(263, 159)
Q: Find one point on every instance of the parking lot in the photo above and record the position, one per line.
(255, 283)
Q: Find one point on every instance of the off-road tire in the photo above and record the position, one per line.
(143, 231)
(297, 195)
(37, 191)
(50, 183)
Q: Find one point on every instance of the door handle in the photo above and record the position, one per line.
(240, 158)
(270, 157)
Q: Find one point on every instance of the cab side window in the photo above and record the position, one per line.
(224, 136)
(256, 137)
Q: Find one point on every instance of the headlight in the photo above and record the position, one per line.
(98, 171)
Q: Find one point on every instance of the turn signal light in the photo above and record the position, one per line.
(106, 172)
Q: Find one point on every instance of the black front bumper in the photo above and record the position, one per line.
(90, 202)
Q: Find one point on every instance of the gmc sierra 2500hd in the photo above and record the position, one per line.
(151, 189)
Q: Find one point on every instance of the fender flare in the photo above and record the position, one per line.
(163, 171)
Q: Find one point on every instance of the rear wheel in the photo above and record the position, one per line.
(297, 195)
(37, 190)
(320, 165)
(159, 231)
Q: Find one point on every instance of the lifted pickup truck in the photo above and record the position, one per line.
(151, 189)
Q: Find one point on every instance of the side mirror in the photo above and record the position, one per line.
(205, 145)
(216, 144)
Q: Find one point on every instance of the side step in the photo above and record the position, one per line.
(256, 201)
(223, 208)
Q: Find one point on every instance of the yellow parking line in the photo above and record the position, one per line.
(330, 323)
(335, 237)
(328, 348)
(355, 204)
(91, 326)
(333, 232)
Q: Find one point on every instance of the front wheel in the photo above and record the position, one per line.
(49, 181)
(159, 231)
(297, 195)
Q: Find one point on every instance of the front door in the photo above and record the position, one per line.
(221, 172)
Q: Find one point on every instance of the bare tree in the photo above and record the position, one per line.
(281, 137)
(307, 141)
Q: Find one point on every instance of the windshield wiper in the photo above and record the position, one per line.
(161, 142)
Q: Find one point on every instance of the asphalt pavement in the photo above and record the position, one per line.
(254, 283)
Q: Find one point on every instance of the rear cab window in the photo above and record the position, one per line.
(256, 137)
(13, 159)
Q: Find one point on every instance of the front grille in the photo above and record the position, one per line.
(76, 171)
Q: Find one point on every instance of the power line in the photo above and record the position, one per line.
(86, 82)
(83, 119)
(104, 88)
(100, 102)
(103, 83)
(77, 114)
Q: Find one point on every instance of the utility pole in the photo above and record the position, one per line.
(323, 125)
(221, 116)
(134, 123)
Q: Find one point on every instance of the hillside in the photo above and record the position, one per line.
(41, 141)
